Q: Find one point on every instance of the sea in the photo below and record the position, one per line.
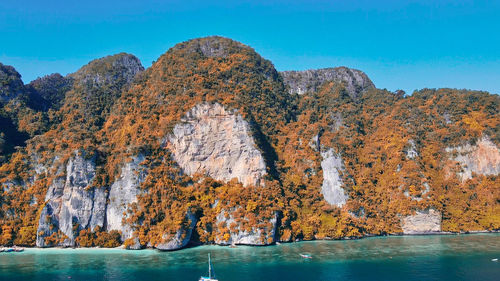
(430, 257)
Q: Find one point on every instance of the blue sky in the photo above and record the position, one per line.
(400, 44)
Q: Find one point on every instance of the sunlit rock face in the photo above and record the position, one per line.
(426, 221)
(72, 203)
(300, 82)
(216, 142)
(332, 182)
(483, 158)
(123, 192)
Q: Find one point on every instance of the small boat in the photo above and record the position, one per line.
(306, 256)
(494, 259)
(11, 250)
(209, 278)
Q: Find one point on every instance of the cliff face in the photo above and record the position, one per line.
(122, 193)
(423, 222)
(211, 145)
(73, 203)
(300, 82)
(483, 158)
(215, 142)
(332, 182)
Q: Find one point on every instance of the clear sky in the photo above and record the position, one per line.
(400, 44)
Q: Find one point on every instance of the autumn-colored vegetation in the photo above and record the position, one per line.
(117, 120)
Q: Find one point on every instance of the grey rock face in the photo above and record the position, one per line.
(483, 158)
(422, 222)
(11, 84)
(255, 236)
(123, 192)
(217, 142)
(411, 150)
(73, 204)
(332, 182)
(300, 82)
(181, 238)
(213, 46)
(114, 71)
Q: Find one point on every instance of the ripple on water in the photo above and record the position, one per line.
(464, 257)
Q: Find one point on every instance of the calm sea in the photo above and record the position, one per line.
(454, 257)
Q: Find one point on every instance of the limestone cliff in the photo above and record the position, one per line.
(217, 142)
(123, 192)
(426, 221)
(301, 82)
(73, 203)
(332, 189)
(483, 158)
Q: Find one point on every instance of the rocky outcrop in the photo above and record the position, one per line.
(72, 203)
(411, 150)
(11, 84)
(238, 235)
(483, 158)
(181, 237)
(427, 221)
(217, 142)
(116, 71)
(332, 189)
(355, 81)
(212, 46)
(123, 192)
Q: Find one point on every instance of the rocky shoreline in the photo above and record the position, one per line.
(122, 247)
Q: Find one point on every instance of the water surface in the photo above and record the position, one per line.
(441, 257)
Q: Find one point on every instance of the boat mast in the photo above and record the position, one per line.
(209, 267)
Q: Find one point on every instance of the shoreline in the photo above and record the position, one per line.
(277, 243)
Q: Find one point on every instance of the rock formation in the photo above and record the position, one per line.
(332, 189)
(117, 70)
(218, 143)
(73, 203)
(239, 235)
(181, 237)
(301, 82)
(11, 84)
(105, 151)
(123, 192)
(483, 158)
(426, 221)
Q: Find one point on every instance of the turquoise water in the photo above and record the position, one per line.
(462, 257)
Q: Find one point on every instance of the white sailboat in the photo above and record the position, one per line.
(209, 278)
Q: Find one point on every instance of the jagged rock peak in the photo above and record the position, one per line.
(11, 84)
(119, 69)
(212, 46)
(300, 82)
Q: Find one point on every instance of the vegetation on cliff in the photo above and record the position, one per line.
(393, 148)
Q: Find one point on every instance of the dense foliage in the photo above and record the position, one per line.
(117, 112)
